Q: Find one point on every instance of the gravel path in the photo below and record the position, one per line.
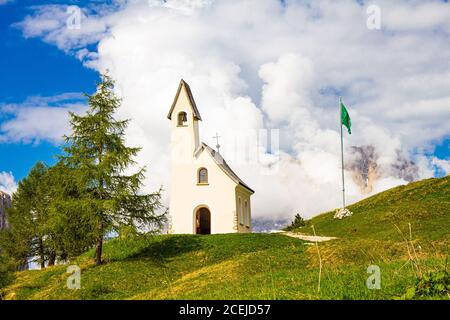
(308, 238)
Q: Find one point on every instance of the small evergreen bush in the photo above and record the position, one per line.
(297, 223)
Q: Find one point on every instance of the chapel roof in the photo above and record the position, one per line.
(220, 161)
(191, 100)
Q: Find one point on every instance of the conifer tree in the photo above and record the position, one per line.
(26, 233)
(6, 272)
(45, 221)
(96, 150)
(69, 229)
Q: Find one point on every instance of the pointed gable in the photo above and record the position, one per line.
(184, 86)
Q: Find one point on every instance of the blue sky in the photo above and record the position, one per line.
(254, 66)
(30, 67)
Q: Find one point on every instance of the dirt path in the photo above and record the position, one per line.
(308, 238)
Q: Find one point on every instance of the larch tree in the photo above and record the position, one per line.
(70, 230)
(46, 224)
(25, 237)
(109, 195)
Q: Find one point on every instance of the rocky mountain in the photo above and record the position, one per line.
(269, 225)
(5, 202)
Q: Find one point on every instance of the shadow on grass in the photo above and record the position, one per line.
(5, 280)
(161, 251)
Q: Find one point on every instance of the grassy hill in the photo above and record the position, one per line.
(271, 266)
(425, 204)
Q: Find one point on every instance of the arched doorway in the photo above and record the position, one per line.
(203, 221)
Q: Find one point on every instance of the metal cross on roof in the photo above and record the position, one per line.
(217, 141)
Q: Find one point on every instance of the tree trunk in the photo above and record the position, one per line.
(98, 251)
(52, 259)
(23, 266)
(99, 244)
(41, 253)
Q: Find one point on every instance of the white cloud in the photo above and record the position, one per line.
(52, 23)
(7, 182)
(39, 118)
(441, 164)
(418, 17)
(259, 64)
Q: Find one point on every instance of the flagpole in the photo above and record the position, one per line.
(342, 152)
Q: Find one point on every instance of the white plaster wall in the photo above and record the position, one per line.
(243, 194)
(185, 194)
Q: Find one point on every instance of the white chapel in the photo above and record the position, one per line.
(206, 196)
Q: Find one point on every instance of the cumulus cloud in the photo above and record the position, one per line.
(7, 182)
(60, 25)
(418, 17)
(39, 118)
(441, 165)
(280, 66)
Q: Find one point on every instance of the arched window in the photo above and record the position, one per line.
(202, 176)
(182, 118)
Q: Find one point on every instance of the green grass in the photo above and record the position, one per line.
(176, 267)
(270, 266)
(424, 204)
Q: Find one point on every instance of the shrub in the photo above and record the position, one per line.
(433, 284)
(297, 223)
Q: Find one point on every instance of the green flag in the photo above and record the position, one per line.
(345, 118)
